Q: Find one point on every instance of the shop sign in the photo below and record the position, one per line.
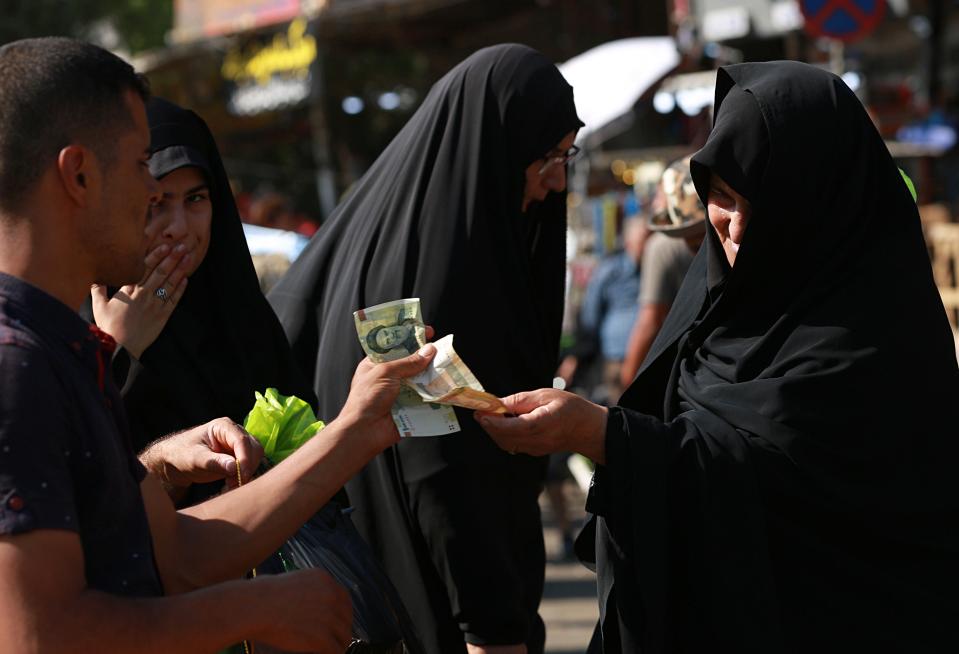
(845, 20)
(785, 16)
(271, 75)
(726, 23)
(194, 19)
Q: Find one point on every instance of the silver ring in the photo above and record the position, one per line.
(161, 294)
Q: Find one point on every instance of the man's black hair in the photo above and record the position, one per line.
(56, 91)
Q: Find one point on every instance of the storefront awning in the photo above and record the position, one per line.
(608, 80)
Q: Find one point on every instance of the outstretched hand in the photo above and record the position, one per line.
(374, 389)
(137, 313)
(205, 453)
(546, 421)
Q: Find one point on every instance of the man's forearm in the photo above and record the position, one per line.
(203, 621)
(222, 538)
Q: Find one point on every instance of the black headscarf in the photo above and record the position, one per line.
(438, 216)
(223, 341)
(792, 488)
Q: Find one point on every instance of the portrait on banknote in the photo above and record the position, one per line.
(385, 338)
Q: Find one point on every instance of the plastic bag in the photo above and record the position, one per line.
(329, 540)
(281, 424)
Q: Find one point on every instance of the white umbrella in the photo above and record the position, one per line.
(608, 80)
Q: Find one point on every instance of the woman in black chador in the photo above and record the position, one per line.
(466, 210)
(198, 349)
(781, 475)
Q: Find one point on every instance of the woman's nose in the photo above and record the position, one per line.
(719, 219)
(175, 227)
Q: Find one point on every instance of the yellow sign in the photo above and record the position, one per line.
(290, 54)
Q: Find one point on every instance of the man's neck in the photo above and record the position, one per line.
(32, 252)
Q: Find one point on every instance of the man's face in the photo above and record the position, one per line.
(390, 337)
(127, 191)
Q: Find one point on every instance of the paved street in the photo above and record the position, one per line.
(569, 599)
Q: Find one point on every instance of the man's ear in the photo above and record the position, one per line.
(77, 170)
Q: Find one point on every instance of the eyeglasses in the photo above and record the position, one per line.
(553, 159)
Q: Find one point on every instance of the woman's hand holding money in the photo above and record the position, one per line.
(547, 421)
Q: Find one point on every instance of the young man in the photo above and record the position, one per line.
(89, 543)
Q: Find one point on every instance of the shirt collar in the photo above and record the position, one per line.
(25, 304)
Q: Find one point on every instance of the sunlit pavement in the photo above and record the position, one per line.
(569, 600)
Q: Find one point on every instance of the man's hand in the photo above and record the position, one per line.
(135, 316)
(373, 391)
(306, 611)
(547, 421)
(205, 453)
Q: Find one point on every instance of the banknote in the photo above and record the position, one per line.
(394, 330)
(449, 381)
(391, 330)
(413, 417)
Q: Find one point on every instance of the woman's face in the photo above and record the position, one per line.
(729, 213)
(544, 175)
(183, 214)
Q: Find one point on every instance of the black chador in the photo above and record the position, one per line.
(439, 216)
(781, 475)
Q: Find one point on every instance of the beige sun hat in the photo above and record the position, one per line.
(684, 214)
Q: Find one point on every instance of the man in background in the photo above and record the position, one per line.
(678, 231)
(608, 313)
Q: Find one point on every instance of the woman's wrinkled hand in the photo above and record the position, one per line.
(546, 421)
(137, 313)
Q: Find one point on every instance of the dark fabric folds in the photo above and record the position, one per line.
(785, 454)
(438, 216)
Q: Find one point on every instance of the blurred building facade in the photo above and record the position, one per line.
(304, 94)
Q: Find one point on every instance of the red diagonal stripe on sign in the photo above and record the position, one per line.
(829, 8)
(861, 17)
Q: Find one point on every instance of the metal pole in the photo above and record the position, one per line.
(322, 159)
(935, 52)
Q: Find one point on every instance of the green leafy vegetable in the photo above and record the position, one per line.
(281, 424)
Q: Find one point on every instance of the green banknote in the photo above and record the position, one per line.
(394, 330)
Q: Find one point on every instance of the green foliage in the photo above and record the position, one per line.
(139, 24)
(909, 184)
